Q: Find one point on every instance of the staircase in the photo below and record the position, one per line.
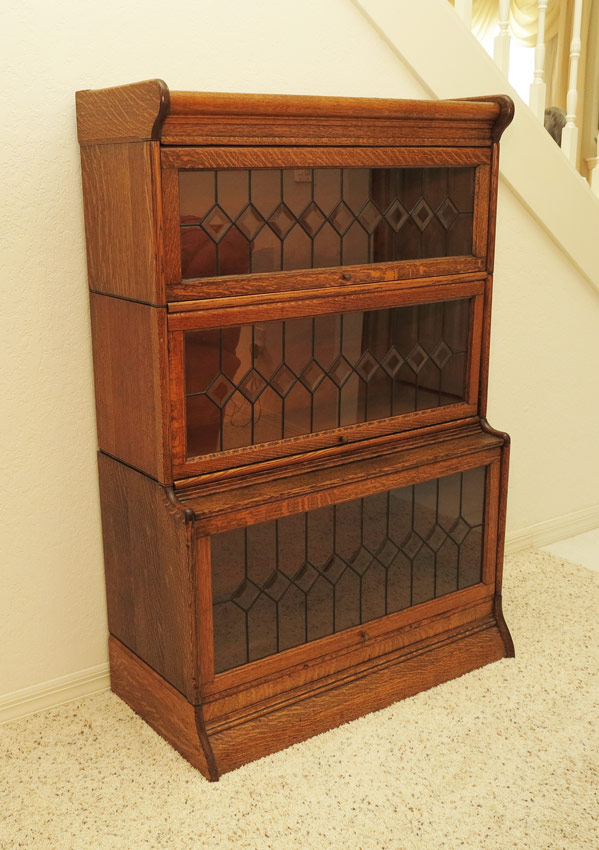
(449, 62)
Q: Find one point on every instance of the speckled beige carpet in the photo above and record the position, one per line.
(505, 757)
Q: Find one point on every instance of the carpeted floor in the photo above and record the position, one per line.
(505, 757)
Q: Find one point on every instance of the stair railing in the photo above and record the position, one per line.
(538, 87)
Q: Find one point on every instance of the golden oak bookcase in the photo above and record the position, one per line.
(303, 505)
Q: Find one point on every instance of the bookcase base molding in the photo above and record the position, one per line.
(216, 748)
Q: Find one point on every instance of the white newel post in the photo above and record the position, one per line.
(570, 131)
(464, 10)
(538, 89)
(501, 45)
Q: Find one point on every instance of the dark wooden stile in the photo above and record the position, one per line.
(184, 501)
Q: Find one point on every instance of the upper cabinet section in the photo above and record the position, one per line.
(324, 217)
(194, 196)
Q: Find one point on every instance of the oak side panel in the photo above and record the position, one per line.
(130, 369)
(475, 337)
(176, 350)
(148, 564)
(123, 220)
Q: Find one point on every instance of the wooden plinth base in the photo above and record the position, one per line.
(220, 747)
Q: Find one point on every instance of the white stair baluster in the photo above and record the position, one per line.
(464, 10)
(570, 131)
(538, 89)
(501, 46)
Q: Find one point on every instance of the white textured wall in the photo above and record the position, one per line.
(52, 620)
(543, 376)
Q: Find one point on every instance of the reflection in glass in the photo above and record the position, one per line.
(241, 221)
(274, 380)
(289, 581)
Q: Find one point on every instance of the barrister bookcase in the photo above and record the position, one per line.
(303, 505)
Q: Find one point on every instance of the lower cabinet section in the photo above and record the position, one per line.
(286, 602)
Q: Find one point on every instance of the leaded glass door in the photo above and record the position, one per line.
(290, 383)
(374, 214)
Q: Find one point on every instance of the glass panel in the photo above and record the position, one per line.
(237, 221)
(273, 380)
(289, 581)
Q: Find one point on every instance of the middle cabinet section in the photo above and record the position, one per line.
(259, 377)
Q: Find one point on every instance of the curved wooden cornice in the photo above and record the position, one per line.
(505, 115)
(148, 111)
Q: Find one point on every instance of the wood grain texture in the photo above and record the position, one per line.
(288, 676)
(474, 349)
(123, 220)
(354, 132)
(417, 670)
(322, 459)
(336, 456)
(186, 104)
(130, 370)
(162, 707)
(404, 273)
(505, 114)
(351, 436)
(251, 502)
(491, 525)
(221, 745)
(197, 118)
(149, 572)
(485, 348)
(132, 112)
(481, 213)
(171, 229)
(330, 157)
(259, 308)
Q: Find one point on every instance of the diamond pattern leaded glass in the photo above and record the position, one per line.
(289, 581)
(271, 381)
(241, 221)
